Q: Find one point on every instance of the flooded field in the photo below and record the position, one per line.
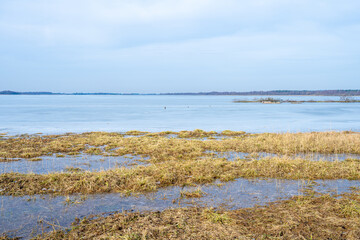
(231, 156)
(24, 216)
(48, 164)
(49, 181)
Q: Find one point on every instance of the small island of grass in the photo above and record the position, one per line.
(270, 100)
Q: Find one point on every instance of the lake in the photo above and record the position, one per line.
(72, 113)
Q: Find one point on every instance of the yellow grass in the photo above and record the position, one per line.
(169, 173)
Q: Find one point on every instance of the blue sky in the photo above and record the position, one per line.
(178, 45)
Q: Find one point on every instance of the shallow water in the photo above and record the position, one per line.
(20, 215)
(59, 114)
(84, 162)
(231, 156)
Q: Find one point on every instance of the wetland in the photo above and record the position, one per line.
(283, 171)
(161, 185)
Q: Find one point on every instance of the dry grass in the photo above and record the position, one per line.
(182, 160)
(197, 193)
(6, 237)
(302, 217)
(160, 147)
(187, 144)
(170, 173)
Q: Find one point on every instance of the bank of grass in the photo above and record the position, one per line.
(170, 173)
(279, 100)
(167, 146)
(314, 216)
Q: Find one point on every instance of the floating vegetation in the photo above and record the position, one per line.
(35, 159)
(197, 193)
(73, 169)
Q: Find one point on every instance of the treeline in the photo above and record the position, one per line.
(7, 92)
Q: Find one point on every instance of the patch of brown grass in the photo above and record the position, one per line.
(197, 193)
(170, 173)
(187, 144)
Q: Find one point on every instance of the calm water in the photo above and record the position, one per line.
(59, 114)
(84, 162)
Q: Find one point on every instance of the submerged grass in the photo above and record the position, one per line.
(170, 173)
(302, 217)
(197, 193)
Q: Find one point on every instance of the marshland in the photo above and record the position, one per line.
(280, 172)
(193, 175)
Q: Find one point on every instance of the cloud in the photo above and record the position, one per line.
(196, 42)
(137, 22)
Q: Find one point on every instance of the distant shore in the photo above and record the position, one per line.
(349, 92)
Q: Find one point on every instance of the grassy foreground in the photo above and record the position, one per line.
(188, 158)
(302, 217)
(176, 158)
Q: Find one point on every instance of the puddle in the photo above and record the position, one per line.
(85, 162)
(329, 157)
(231, 156)
(20, 215)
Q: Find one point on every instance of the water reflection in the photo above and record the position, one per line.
(83, 162)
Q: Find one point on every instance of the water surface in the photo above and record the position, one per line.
(69, 113)
(83, 162)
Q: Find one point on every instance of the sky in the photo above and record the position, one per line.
(153, 46)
